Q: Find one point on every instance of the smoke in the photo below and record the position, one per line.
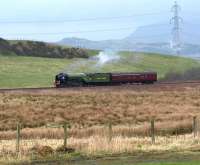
(95, 63)
(77, 66)
(104, 59)
(108, 56)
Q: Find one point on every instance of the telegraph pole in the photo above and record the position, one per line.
(176, 31)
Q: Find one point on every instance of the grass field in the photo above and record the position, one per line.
(121, 150)
(94, 107)
(173, 163)
(89, 110)
(18, 71)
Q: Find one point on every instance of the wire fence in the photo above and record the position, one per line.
(109, 137)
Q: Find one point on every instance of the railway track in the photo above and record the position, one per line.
(125, 85)
(25, 89)
(178, 82)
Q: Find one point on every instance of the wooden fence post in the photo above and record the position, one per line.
(65, 134)
(195, 126)
(153, 130)
(110, 132)
(64, 126)
(18, 137)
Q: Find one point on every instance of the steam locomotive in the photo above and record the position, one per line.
(97, 79)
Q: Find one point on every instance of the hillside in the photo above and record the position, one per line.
(159, 33)
(40, 49)
(129, 43)
(151, 38)
(21, 71)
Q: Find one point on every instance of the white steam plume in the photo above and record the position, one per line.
(107, 57)
(93, 64)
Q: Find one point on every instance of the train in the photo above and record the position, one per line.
(101, 79)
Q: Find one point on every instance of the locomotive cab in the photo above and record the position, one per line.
(61, 79)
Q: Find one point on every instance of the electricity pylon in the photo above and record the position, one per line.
(176, 31)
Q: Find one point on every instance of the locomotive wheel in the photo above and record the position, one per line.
(75, 83)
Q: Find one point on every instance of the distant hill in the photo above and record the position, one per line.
(150, 34)
(152, 38)
(40, 49)
(162, 34)
(98, 45)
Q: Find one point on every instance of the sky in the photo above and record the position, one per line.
(53, 20)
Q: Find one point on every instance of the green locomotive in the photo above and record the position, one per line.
(81, 79)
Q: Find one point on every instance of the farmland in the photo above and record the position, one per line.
(96, 106)
(89, 110)
(22, 71)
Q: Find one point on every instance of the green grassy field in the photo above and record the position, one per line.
(20, 71)
(177, 163)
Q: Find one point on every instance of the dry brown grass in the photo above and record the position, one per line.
(161, 129)
(96, 145)
(87, 108)
(89, 112)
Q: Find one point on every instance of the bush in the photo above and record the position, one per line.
(192, 74)
(40, 49)
(64, 149)
(42, 151)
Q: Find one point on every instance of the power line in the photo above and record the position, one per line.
(191, 34)
(190, 23)
(192, 13)
(76, 32)
(80, 20)
(81, 31)
(152, 36)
